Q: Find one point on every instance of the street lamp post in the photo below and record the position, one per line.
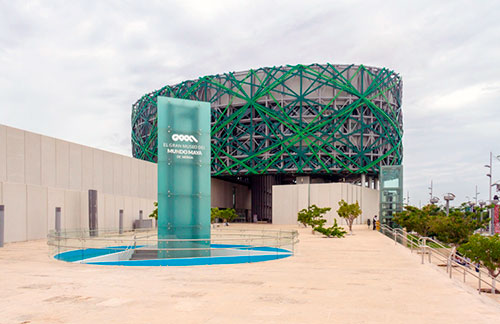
(448, 197)
(495, 202)
(431, 197)
(490, 166)
(482, 203)
(490, 176)
(471, 205)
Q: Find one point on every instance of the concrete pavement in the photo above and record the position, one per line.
(363, 278)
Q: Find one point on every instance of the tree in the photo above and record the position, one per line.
(456, 228)
(214, 214)
(486, 251)
(228, 214)
(349, 212)
(418, 220)
(432, 220)
(312, 216)
(154, 213)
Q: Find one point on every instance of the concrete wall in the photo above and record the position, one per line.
(288, 200)
(39, 173)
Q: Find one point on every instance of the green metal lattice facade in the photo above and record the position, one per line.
(302, 119)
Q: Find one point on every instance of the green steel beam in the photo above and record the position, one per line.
(290, 119)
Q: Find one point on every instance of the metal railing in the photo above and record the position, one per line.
(442, 255)
(85, 244)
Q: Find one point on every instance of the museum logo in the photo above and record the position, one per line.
(184, 138)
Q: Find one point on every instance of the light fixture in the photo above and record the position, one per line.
(448, 197)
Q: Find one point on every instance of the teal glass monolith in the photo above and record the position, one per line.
(183, 178)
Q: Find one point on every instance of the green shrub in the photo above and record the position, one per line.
(333, 231)
(312, 216)
(228, 214)
(154, 213)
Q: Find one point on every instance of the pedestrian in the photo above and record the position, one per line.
(368, 222)
(375, 222)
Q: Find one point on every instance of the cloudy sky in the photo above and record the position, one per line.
(72, 69)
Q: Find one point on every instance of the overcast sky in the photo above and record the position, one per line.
(73, 69)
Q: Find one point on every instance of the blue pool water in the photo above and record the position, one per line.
(220, 254)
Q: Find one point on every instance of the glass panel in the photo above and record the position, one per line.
(183, 176)
(391, 188)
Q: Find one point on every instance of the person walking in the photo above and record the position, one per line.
(375, 222)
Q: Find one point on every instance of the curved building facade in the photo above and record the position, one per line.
(270, 125)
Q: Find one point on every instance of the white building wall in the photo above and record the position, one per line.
(288, 200)
(3, 154)
(14, 199)
(39, 173)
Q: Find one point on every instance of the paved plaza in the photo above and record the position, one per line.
(362, 278)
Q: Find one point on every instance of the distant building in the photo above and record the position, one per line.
(288, 124)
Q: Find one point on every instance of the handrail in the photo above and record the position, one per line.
(466, 266)
(251, 238)
(426, 239)
(136, 242)
(452, 259)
